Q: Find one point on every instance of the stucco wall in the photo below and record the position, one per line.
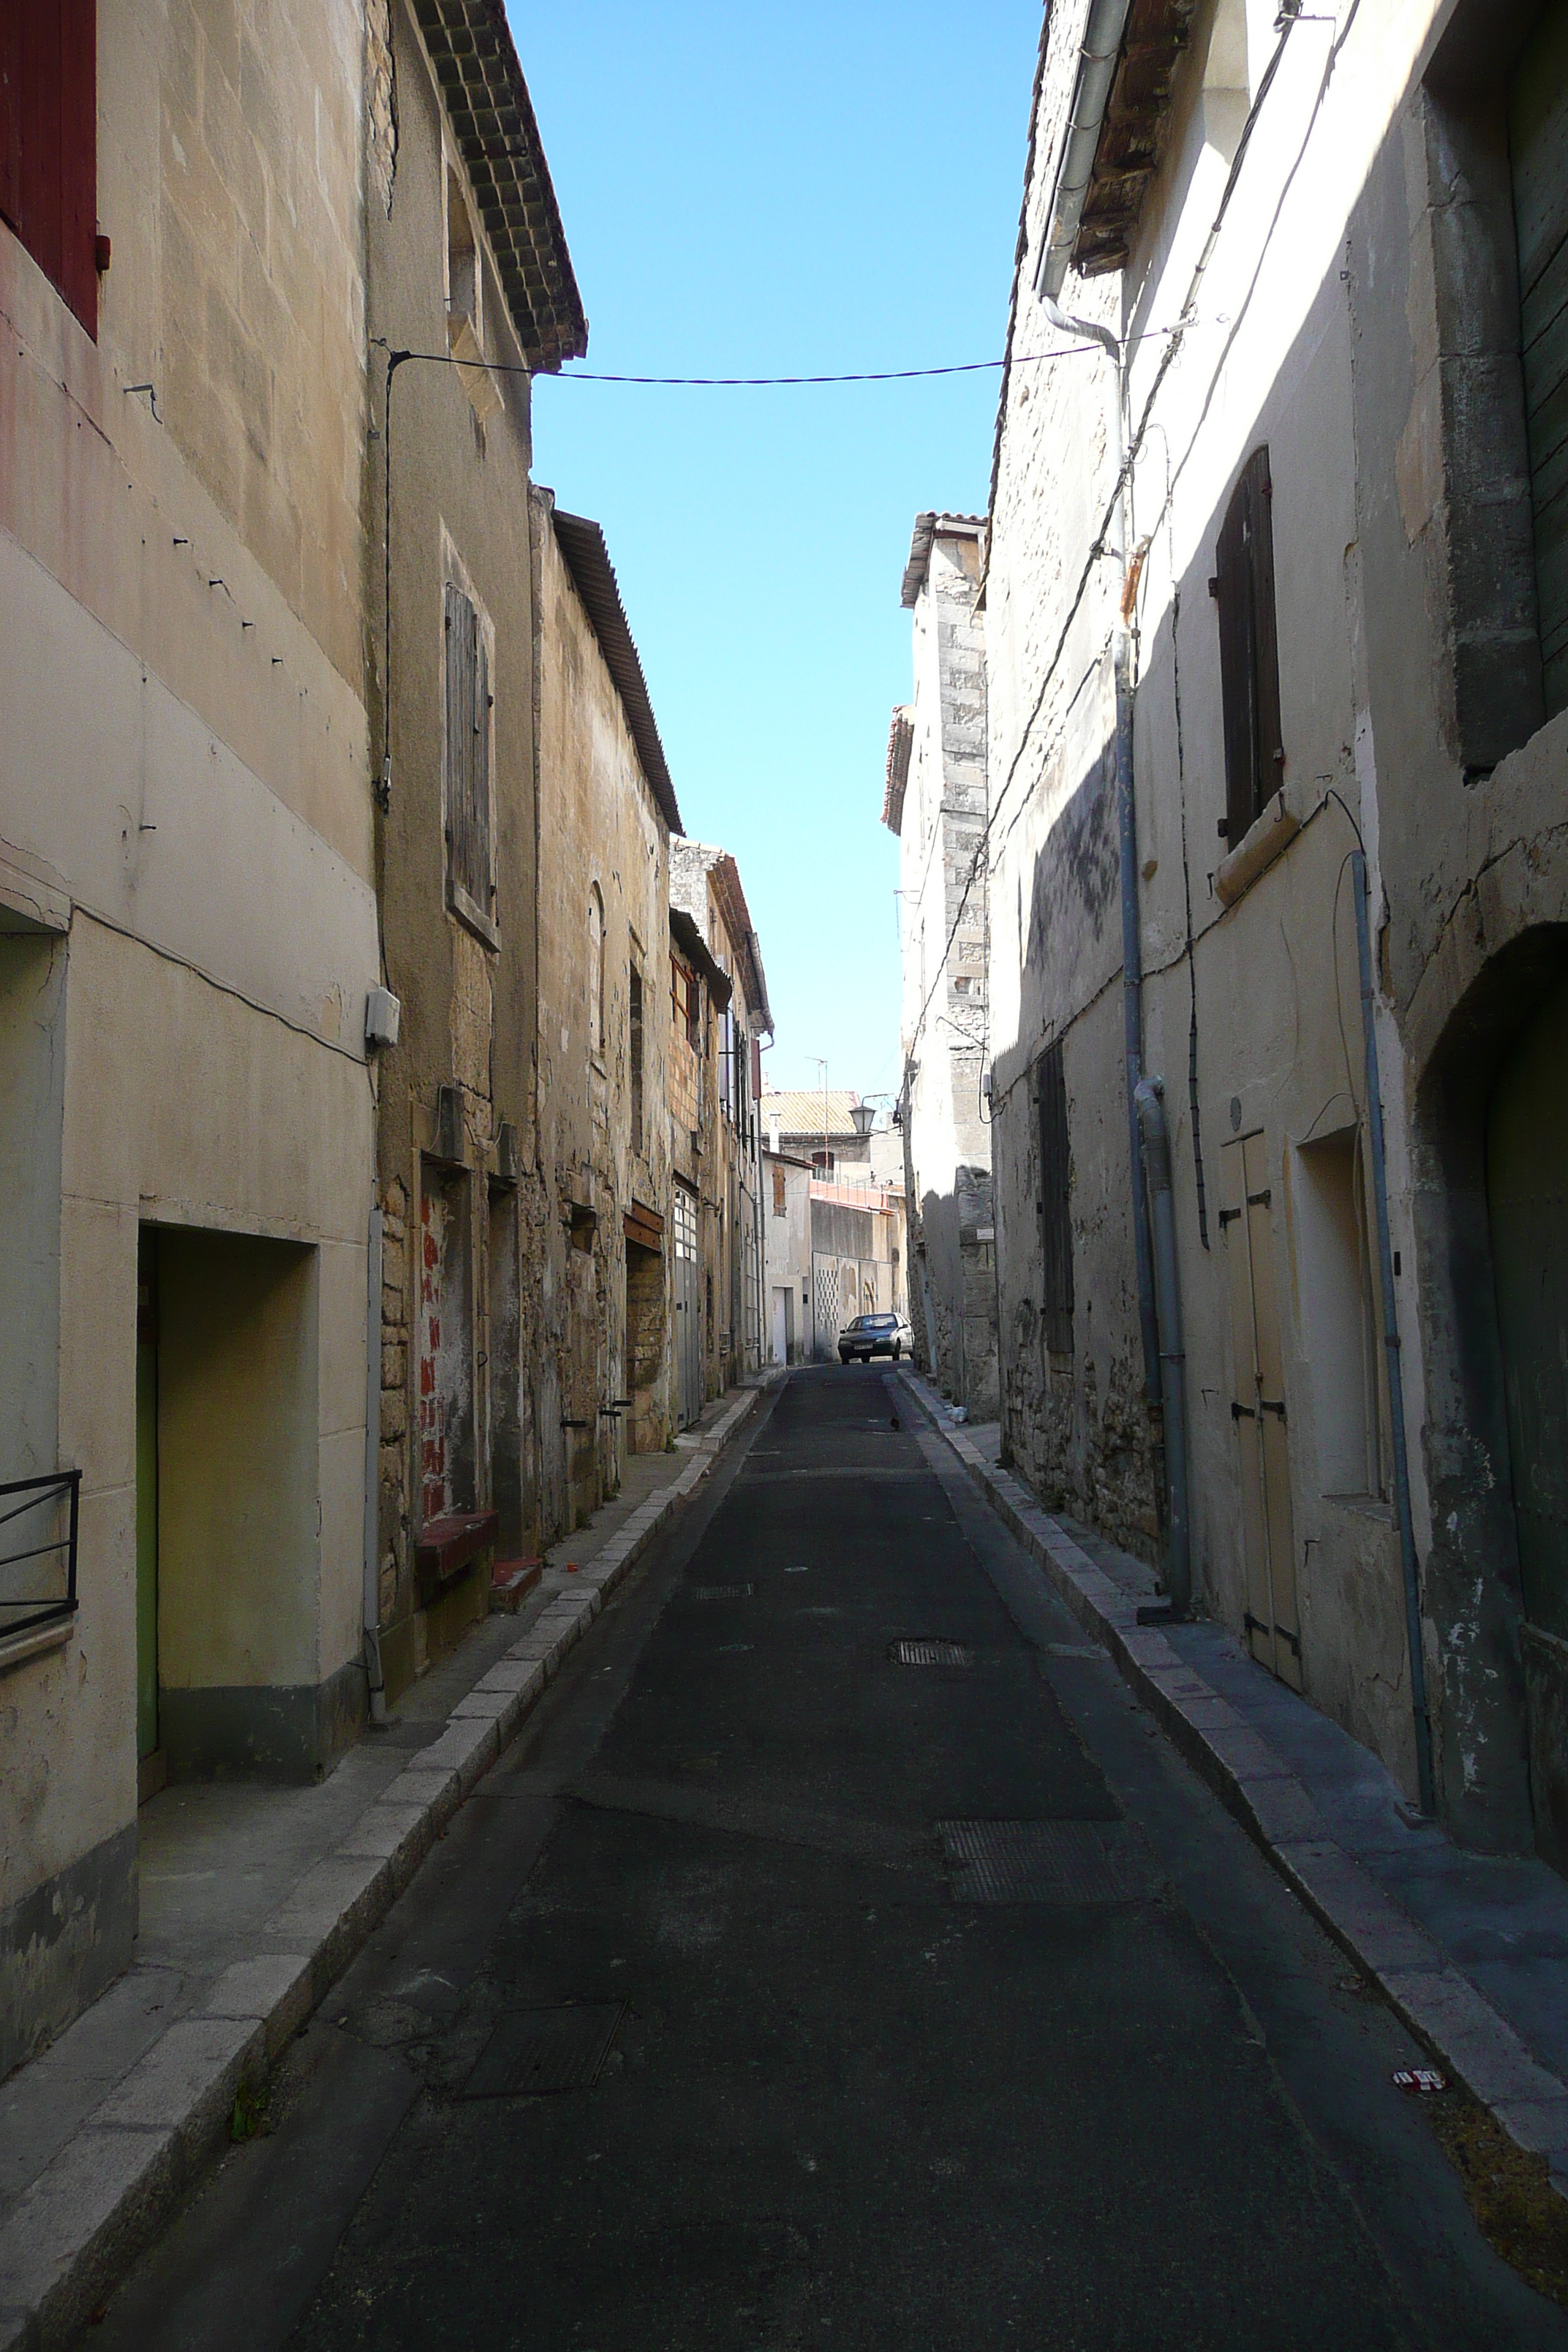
(184, 797)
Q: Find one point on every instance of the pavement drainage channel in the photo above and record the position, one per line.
(1048, 1862)
(930, 1654)
(537, 2052)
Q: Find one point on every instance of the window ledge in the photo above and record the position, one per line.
(1259, 846)
(16, 1649)
(471, 916)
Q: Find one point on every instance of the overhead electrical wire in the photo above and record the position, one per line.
(763, 382)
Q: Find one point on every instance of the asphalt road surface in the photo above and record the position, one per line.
(1083, 2075)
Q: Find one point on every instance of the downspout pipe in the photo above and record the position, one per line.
(1422, 1719)
(1097, 64)
(1156, 1140)
(371, 1589)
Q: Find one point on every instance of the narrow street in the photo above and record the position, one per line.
(844, 2095)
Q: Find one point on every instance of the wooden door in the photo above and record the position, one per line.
(1257, 1409)
(688, 1336)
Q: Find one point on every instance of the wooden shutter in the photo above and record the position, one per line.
(49, 140)
(1056, 1205)
(1538, 142)
(468, 752)
(1242, 587)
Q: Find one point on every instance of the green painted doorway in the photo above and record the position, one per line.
(1527, 1201)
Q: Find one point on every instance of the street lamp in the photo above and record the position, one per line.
(864, 1117)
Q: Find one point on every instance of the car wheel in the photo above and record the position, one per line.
(844, 1355)
(897, 1347)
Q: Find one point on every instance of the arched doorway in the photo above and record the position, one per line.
(1526, 1203)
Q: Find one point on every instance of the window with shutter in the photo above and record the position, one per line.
(1056, 1208)
(49, 140)
(1243, 589)
(470, 868)
(1538, 151)
(634, 1034)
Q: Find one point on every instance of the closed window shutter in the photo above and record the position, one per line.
(1248, 649)
(11, 112)
(1260, 513)
(479, 882)
(1056, 1202)
(1538, 143)
(49, 140)
(468, 751)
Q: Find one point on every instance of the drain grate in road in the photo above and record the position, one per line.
(536, 2051)
(721, 1593)
(1048, 1862)
(930, 1654)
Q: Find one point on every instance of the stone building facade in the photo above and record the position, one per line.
(705, 888)
(187, 939)
(465, 1459)
(934, 800)
(601, 1362)
(1306, 675)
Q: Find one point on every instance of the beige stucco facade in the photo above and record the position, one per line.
(188, 935)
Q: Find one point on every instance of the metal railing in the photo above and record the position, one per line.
(38, 1495)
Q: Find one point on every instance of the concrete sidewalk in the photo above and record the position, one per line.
(253, 1901)
(1471, 1951)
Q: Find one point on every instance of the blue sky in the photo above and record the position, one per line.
(779, 191)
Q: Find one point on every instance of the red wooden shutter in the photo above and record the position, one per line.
(49, 140)
(11, 111)
(78, 281)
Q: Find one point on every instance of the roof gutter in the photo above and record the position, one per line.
(1097, 63)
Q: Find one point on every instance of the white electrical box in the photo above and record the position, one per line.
(382, 1015)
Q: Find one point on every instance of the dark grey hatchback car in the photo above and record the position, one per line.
(875, 1335)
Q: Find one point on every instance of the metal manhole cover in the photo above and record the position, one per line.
(930, 1654)
(1048, 1862)
(722, 1592)
(535, 2051)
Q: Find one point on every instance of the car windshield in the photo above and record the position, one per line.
(880, 1322)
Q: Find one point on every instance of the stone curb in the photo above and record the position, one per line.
(1441, 2007)
(73, 2234)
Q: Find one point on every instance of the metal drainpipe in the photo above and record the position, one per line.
(1156, 1139)
(1423, 1721)
(372, 1590)
(1126, 830)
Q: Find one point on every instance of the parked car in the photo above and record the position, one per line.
(875, 1335)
